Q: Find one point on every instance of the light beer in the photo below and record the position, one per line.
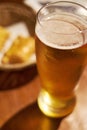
(61, 54)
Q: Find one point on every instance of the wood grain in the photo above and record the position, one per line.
(14, 99)
(19, 110)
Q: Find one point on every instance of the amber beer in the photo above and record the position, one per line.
(61, 55)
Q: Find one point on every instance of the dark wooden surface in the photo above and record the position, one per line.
(20, 1)
(18, 106)
(19, 110)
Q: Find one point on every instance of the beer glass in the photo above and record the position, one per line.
(61, 54)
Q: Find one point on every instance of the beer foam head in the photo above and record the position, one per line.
(57, 32)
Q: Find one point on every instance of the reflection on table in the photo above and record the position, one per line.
(19, 110)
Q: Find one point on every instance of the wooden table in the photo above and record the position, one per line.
(19, 110)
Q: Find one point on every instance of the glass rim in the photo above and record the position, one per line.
(51, 3)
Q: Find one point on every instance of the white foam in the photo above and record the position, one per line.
(60, 33)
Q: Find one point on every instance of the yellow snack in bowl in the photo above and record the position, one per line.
(20, 51)
(4, 35)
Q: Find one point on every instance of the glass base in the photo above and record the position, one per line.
(55, 107)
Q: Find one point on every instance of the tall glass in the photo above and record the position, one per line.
(61, 53)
